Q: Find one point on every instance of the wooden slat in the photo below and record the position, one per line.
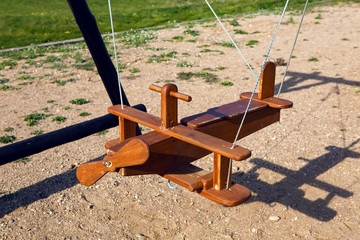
(184, 133)
(227, 111)
(221, 168)
(267, 81)
(273, 102)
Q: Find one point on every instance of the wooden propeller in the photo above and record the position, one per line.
(133, 153)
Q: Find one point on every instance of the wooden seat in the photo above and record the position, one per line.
(227, 111)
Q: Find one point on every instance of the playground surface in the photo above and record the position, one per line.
(303, 173)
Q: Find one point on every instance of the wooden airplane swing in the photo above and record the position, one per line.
(169, 150)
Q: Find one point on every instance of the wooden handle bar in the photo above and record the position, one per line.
(177, 95)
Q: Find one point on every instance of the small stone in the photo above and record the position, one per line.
(140, 235)
(274, 218)
(11, 220)
(254, 230)
(210, 222)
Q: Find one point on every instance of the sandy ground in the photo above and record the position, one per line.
(304, 174)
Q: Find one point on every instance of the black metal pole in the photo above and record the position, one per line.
(45, 141)
(89, 29)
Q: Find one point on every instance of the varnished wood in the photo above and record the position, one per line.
(168, 153)
(130, 153)
(169, 106)
(273, 102)
(177, 95)
(267, 81)
(127, 129)
(227, 111)
(173, 146)
(221, 167)
(184, 133)
(234, 196)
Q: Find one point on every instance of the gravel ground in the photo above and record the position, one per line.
(303, 174)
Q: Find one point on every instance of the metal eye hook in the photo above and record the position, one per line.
(107, 163)
(171, 186)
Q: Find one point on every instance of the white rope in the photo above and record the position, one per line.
(293, 47)
(232, 40)
(258, 79)
(252, 95)
(116, 59)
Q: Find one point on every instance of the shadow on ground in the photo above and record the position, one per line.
(287, 190)
(41, 190)
(297, 81)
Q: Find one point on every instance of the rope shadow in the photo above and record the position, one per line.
(287, 191)
(291, 84)
(41, 190)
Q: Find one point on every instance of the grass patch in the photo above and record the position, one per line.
(37, 132)
(58, 119)
(185, 75)
(184, 64)
(220, 68)
(177, 39)
(193, 33)
(23, 160)
(25, 77)
(191, 40)
(8, 129)
(135, 70)
(33, 118)
(103, 132)
(162, 57)
(206, 50)
(52, 59)
(251, 43)
(227, 83)
(4, 80)
(136, 38)
(84, 114)
(88, 66)
(318, 16)
(7, 139)
(8, 88)
(7, 63)
(208, 77)
(313, 59)
(66, 108)
(225, 44)
(239, 31)
(50, 101)
(234, 23)
(59, 82)
(79, 101)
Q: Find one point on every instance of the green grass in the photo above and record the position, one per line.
(234, 23)
(7, 139)
(84, 114)
(239, 31)
(22, 160)
(8, 88)
(4, 80)
(25, 22)
(251, 43)
(227, 83)
(33, 118)
(79, 101)
(37, 132)
(8, 129)
(313, 59)
(58, 119)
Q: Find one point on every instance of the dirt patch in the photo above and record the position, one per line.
(303, 174)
